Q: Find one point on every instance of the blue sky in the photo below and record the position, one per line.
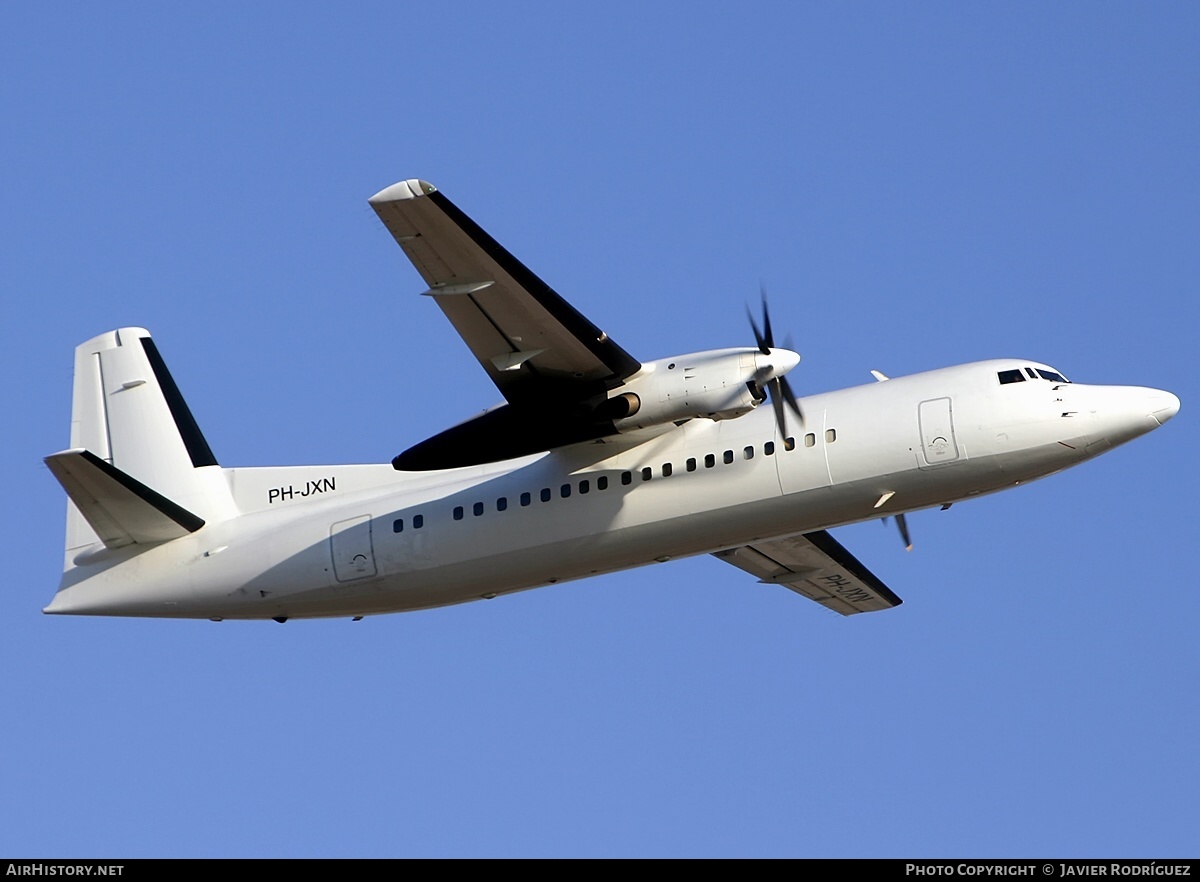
(916, 184)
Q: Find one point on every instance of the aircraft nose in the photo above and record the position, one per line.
(1163, 405)
(1125, 412)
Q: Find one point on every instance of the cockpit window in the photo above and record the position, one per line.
(1032, 375)
(1052, 376)
(1014, 376)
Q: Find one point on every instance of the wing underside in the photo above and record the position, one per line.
(816, 566)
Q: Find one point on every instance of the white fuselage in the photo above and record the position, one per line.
(358, 540)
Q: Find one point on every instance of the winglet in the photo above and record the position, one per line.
(410, 189)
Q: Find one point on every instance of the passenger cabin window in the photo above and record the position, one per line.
(526, 498)
(709, 460)
(602, 482)
(769, 448)
(565, 490)
(584, 486)
(830, 435)
(418, 521)
(546, 494)
(458, 512)
(1013, 376)
(667, 469)
(477, 509)
(502, 503)
(398, 525)
(810, 440)
(626, 477)
(748, 453)
(790, 443)
(647, 473)
(728, 457)
(691, 464)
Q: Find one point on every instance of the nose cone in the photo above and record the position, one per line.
(1163, 405)
(1125, 412)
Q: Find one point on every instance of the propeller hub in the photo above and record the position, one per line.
(775, 363)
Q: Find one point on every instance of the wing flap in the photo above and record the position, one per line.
(121, 509)
(816, 566)
(497, 305)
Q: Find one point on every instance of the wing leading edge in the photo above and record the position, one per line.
(815, 566)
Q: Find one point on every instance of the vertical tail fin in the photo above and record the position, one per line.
(127, 410)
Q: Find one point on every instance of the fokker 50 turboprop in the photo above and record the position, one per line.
(596, 462)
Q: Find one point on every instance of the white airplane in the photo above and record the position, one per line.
(596, 463)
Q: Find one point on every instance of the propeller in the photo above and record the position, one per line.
(902, 525)
(773, 378)
(901, 520)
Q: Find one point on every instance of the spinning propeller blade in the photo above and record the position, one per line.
(777, 386)
(902, 525)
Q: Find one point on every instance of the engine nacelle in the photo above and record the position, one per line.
(720, 384)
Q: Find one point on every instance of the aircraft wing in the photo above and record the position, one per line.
(533, 344)
(816, 566)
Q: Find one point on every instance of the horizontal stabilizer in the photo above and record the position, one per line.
(121, 509)
(818, 567)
